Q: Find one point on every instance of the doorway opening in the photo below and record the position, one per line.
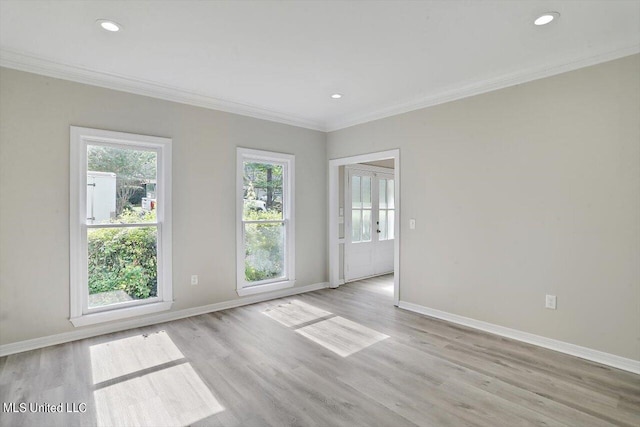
(364, 218)
(369, 219)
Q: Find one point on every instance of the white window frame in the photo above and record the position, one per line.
(288, 198)
(80, 313)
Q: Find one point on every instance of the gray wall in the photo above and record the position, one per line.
(517, 193)
(522, 192)
(36, 112)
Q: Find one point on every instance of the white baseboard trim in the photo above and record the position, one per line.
(33, 344)
(552, 344)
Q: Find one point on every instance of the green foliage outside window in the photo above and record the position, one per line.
(264, 250)
(124, 258)
(263, 181)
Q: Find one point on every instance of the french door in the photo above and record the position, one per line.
(369, 223)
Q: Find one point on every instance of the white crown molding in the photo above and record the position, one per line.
(561, 346)
(33, 344)
(37, 65)
(468, 89)
(32, 64)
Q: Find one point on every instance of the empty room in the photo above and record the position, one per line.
(320, 213)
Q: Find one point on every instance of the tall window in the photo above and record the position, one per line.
(120, 225)
(265, 233)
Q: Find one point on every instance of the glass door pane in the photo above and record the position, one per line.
(383, 225)
(366, 192)
(391, 223)
(382, 194)
(361, 204)
(356, 225)
(356, 202)
(366, 225)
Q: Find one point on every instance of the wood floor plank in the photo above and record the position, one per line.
(294, 312)
(253, 366)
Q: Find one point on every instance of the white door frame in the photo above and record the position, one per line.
(335, 241)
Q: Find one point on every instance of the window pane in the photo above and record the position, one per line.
(355, 192)
(366, 192)
(366, 226)
(390, 194)
(383, 225)
(356, 225)
(262, 191)
(382, 185)
(391, 223)
(264, 251)
(121, 185)
(122, 264)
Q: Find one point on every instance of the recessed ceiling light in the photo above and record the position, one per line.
(546, 17)
(336, 96)
(109, 25)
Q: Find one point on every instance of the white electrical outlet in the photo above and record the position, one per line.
(194, 279)
(412, 224)
(550, 302)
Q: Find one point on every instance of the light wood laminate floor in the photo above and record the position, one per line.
(344, 357)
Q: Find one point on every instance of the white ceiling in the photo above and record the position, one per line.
(281, 60)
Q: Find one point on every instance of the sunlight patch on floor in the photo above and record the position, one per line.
(117, 358)
(168, 397)
(295, 312)
(342, 336)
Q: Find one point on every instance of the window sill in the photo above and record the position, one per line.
(121, 313)
(258, 289)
